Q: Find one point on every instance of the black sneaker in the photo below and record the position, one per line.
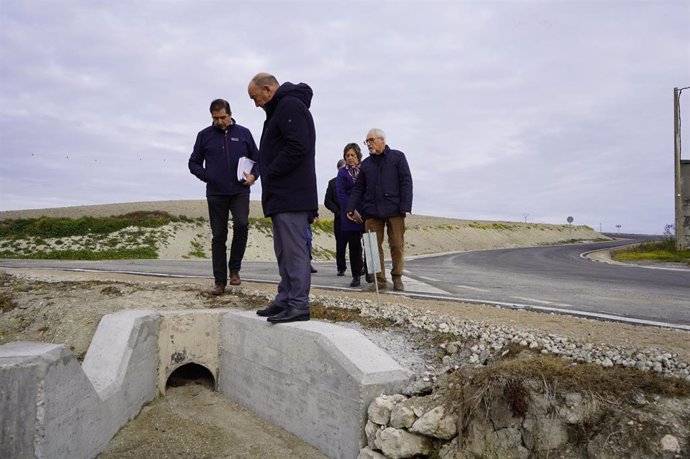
(355, 282)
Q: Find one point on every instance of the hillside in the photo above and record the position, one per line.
(424, 235)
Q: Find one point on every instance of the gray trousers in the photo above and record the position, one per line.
(290, 245)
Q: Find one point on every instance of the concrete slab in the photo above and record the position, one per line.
(314, 379)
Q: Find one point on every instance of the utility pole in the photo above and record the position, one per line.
(681, 178)
(676, 167)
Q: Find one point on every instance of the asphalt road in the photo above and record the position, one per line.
(559, 279)
(553, 279)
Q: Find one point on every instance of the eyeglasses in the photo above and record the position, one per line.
(370, 139)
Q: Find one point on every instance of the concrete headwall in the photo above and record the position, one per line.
(314, 379)
(52, 407)
(188, 337)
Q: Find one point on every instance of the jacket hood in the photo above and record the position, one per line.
(302, 91)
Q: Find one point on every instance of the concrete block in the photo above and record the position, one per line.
(60, 414)
(52, 407)
(314, 379)
(121, 363)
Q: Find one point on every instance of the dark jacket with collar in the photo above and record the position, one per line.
(331, 203)
(215, 156)
(287, 152)
(384, 186)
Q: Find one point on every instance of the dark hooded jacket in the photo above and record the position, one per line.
(384, 186)
(287, 152)
(215, 156)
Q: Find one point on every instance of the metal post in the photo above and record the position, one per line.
(680, 230)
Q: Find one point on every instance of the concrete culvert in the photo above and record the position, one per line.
(191, 373)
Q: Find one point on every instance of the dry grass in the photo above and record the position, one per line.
(617, 382)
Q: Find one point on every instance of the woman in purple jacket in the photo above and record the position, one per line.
(344, 183)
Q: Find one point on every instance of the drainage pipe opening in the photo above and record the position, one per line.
(191, 373)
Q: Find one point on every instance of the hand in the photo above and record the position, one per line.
(354, 216)
(249, 180)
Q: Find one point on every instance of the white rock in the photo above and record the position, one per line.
(396, 443)
(670, 443)
(435, 423)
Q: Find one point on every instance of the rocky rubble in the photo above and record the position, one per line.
(487, 341)
(485, 424)
(432, 417)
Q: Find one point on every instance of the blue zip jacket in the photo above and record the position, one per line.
(287, 152)
(215, 156)
(384, 186)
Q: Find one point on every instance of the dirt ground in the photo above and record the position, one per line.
(192, 421)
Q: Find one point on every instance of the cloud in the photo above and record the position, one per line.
(502, 107)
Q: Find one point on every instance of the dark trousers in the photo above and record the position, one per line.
(292, 254)
(340, 244)
(219, 209)
(354, 241)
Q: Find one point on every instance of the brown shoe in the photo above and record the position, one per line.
(398, 285)
(235, 278)
(382, 286)
(218, 289)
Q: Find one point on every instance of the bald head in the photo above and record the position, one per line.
(262, 88)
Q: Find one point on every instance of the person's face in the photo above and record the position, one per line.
(351, 157)
(221, 119)
(374, 144)
(260, 94)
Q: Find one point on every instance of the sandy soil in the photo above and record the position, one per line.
(192, 421)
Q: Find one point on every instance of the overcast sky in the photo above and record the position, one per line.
(507, 110)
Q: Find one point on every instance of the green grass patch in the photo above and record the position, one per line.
(86, 254)
(261, 224)
(197, 250)
(50, 227)
(664, 251)
(325, 226)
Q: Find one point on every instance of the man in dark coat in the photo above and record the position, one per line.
(331, 203)
(382, 197)
(287, 161)
(217, 150)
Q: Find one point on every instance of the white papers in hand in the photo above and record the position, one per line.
(244, 165)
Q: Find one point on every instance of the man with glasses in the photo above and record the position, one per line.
(382, 198)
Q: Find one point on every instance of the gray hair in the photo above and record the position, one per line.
(341, 163)
(378, 133)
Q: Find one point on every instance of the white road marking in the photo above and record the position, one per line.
(533, 300)
(472, 288)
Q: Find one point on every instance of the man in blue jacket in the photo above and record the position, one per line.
(287, 154)
(382, 197)
(214, 159)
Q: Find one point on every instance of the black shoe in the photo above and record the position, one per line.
(355, 282)
(313, 270)
(271, 310)
(341, 272)
(369, 278)
(291, 314)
